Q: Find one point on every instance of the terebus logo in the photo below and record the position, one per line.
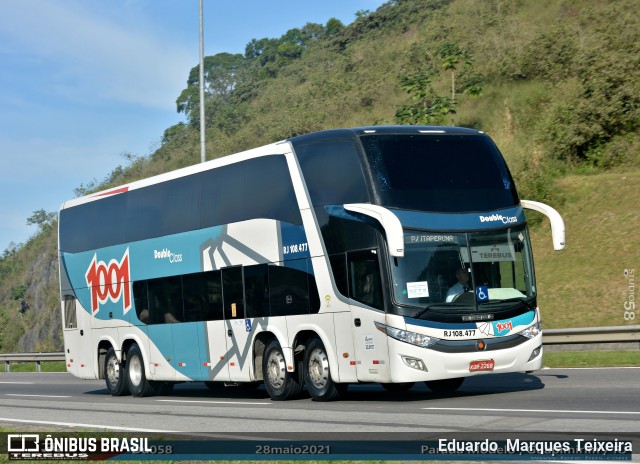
(109, 282)
(499, 217)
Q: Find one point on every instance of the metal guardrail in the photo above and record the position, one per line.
(580, 339)
(8, 358)
(625, 337)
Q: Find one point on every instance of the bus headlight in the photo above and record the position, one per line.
(412, 338)
(531, 331)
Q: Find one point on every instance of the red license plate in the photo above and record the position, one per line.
(486, 365)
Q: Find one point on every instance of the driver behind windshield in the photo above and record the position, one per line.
(461, 286)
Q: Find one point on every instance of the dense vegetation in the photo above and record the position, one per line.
(557, 87)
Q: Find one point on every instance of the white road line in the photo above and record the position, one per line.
(92, 426)
(217, 402)
(570, 411)
(18, 383)
(37, 396)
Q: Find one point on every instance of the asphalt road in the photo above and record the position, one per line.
(550, 400)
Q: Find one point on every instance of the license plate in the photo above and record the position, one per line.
(486, 365)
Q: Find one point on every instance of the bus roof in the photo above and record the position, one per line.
(280, 147)
(368, 130)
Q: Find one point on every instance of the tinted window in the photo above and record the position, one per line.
(93, 225)
(339, 269)
(165, 300)
(289, 289)
(268, 191)
(141, 301)
(257, 188)
(365, 284)
(314, 296)
(256, 285)
(233, 293)
(70, 320)
(202, 293)
(164, 209)
(448, 173)
(340, 234)
(332, 172)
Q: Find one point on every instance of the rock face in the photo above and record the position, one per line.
(44, 332)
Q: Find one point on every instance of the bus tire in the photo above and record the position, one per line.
(137, 381)
(444, 385)
(398, 387)
(279, 383)
(114, 374)
(317, 374)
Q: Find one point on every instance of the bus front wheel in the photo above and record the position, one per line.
(137, 381)
(318, 375)
(279, 383)
(114, 374)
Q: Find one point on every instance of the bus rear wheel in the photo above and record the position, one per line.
(444, 385)
(318, 374)
(137, 381)
(114, 374)
(278, 381)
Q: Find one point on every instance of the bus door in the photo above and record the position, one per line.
(77, 339)
(365, 287)
(238, 327)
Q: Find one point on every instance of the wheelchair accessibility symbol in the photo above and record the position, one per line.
(247, 324)
(482, 293)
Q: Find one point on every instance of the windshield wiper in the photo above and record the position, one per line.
(519, 299)
(433, 305)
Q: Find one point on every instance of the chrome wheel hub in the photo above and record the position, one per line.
(276, 369)
(318, 368)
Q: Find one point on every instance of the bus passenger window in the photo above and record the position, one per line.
(70, 320)
(339, 267)
(256, 289)
(165, 300)
(141, 301)
(365, 284)
(202, 293)
(288, 289)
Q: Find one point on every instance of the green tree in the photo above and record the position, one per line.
(221, 76)
(43, 219)
(428, 107)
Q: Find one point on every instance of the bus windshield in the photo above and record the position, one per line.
(467, 271)
(438, 173)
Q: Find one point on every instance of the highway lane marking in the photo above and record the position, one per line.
(37, 396)
(570, 411)
(93, 426)
(218, 402)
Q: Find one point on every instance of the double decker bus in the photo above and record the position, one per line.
(378, 254)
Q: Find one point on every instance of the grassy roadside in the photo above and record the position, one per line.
(592, 359)
(584, 285)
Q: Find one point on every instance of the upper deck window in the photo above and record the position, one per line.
(439, 173)
(332, 172)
